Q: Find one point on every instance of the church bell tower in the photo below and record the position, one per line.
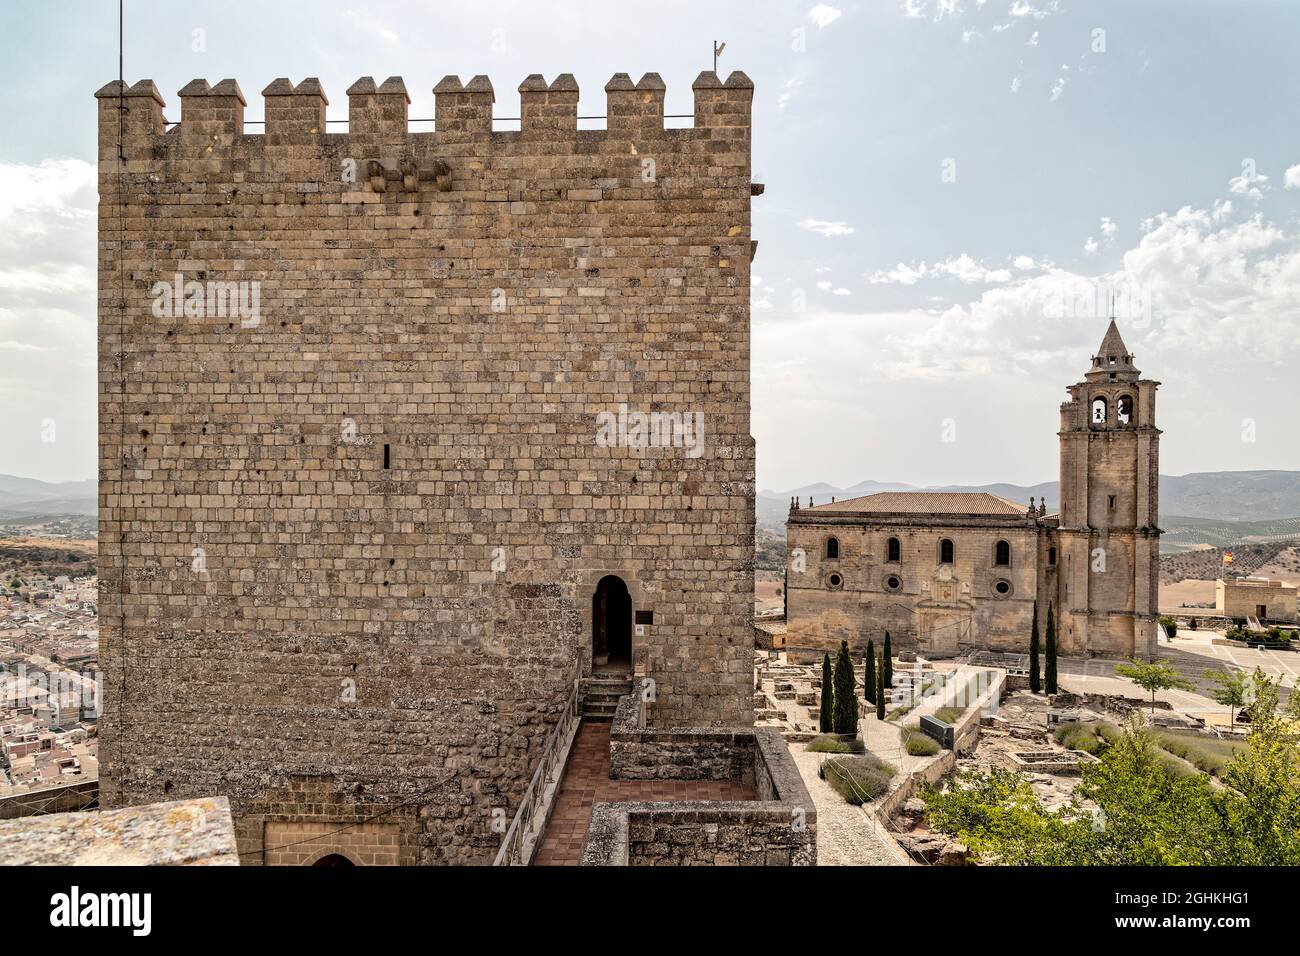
(1109, 534)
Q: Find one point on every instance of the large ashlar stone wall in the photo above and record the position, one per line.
(353, 501)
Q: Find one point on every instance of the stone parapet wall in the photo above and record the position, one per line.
(698, 834)
(779, 828)
(776, 829)
(57, 799)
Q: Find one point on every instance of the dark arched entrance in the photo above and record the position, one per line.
(334, 859)
(611, 625)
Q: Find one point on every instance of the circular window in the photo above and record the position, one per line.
(893, 582)
(836, 582)
(1002, 587)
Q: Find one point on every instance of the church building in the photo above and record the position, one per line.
(946, 573)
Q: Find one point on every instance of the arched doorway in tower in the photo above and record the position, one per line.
(334, 859)
(611, 625)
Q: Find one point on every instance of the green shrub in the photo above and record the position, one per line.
(917, 743)
(949, 715)
(858, 779)
(1206, 754)
(1109, 732)
(836, 744)
(1274, 635)
(1079, 737)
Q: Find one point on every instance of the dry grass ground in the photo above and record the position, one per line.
(767, 590)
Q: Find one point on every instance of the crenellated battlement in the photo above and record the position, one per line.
(212, 116)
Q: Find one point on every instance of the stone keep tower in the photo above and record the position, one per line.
(1109, 532)
(361, 528)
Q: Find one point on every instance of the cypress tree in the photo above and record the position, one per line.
(887, 671)
(880, 692)
(846, 702)
(1049, 674)
(828, 696)
(1035, 679)
(869, 677)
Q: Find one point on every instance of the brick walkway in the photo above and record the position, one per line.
(586, 781)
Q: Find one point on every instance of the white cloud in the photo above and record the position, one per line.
(1015, 84)
(824, 286)
(913, 9)
(1090, 246)
(1033, 39)
(47, 314)
(823, 15)
(787, 93)
(1291, 179)
(1215, 288)
(367, 22)
(901, 274)
(1021, 9)
(1108, 227)
(1250, 183)
(963, 268)
(825, 228)
(968, 36)
(946, 8)
(841, 291)
(1058, 88)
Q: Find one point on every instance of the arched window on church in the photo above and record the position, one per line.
(1099, 411)
(947, 553)
(1002, 554)
(893, 550)
(833, 548)
(1124, 410)
(1051, 555)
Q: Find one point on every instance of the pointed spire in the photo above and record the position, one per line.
(1112, 343)
(1113, 361)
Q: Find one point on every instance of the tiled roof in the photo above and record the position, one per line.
(925, 503)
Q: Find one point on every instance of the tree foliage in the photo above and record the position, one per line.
(1035, 678)
(827, 725)
(845, 713)
(1153, 676)
(1049, 669)
(887, 661)
(1131, 809)
(880, 690)
(869, 674)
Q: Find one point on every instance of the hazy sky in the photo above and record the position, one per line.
(951, 185)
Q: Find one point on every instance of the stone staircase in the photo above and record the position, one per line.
(601, 692)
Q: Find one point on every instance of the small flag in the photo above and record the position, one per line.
(1227, 557)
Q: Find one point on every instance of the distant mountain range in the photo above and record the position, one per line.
(1211, 506)
(27, 499)
(1259, 499)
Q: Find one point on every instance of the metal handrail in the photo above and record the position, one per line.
(509, 853)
